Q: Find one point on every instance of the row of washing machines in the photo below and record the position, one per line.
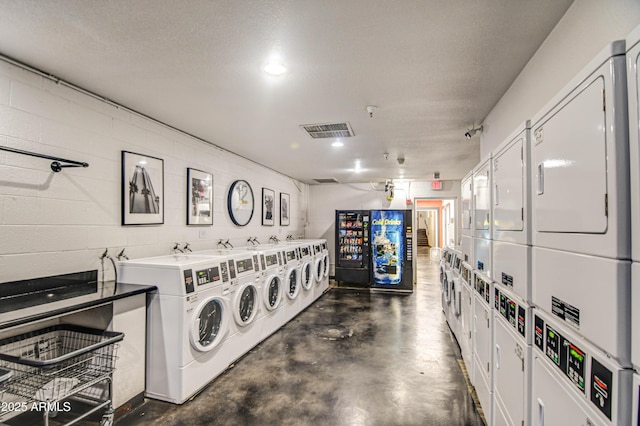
(213, 306)
(543, 294)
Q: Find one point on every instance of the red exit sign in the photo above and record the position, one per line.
(436, 185)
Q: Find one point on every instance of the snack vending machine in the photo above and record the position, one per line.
(352, 246)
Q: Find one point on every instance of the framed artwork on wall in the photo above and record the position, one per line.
(268, 206)
(199, 197)
(142, 189)
(240, 202)
(284, 209)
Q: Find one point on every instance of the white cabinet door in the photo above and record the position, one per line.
(570, 165)
(482, 198)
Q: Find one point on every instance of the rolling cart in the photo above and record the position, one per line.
(44, 370)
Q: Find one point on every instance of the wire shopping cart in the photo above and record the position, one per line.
(40, 369)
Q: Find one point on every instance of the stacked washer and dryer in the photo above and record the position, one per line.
(559, 272)
(213, 306)
(633, 83)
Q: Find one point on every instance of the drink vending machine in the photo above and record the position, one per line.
(374, 248)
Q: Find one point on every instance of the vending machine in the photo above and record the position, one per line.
(352, 246)
(374, 249)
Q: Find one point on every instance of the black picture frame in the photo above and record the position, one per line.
(142, 189)
(199, 198)
(285, 209)
(268, 207)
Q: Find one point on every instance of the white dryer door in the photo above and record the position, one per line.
(509, 181)
(292, 283)
(570, 166)
(208, 325)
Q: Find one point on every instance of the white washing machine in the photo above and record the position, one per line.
(590, 294)
(466, 201)
(245, 298)
(483, 343)
(456, 296)
(271, 317)
(307, 275)
(466, 318)
(446, 285)
(573, 382)
(293, 286)
(442, 267)
(511, 250)
(633, 85)
(187, 322)
(580, 166)
(512, 360)
(321, 267)
(482, 195)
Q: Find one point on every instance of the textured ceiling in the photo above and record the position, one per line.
(432, 68)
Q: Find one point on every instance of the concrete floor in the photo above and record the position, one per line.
(352, 358)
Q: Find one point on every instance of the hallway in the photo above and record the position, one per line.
(352, 358)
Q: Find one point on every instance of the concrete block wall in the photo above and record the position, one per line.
(55, 223)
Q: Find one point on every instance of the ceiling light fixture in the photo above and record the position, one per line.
(358, 168)
(275, 68)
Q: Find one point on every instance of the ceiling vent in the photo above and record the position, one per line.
(329, 130)
(327, 180)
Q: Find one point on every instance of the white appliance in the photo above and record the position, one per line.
(447, 284)
(466, 200)
(482, 181)
(591, 294)
(573, 382)
(511, 256)
(482, 255)
(456, 295)
(307, 275)
(512, 360)
(580, 164)
(292, 305)
(271, 317)
(483, 343)
(633, 85)
(466, 318)
(187, 322)
(466, 248)
(244, 296)
(321, 264)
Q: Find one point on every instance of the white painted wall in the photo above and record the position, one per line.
(587, 27)
(54, 223)
(324, 200)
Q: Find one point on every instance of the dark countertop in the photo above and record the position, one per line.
(46, 308)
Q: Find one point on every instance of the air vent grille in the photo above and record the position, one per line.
(329, 130)
(327, 180)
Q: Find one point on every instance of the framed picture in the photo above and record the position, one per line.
(268, 206)
(284, 209)
(199, 197)
(142, 189)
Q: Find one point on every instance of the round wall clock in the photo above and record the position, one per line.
(240, 202)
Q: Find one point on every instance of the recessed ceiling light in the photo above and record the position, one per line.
(275, 68)
(338, 143)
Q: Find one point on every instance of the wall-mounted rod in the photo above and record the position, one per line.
(55, 166)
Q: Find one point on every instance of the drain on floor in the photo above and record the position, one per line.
(334, 332)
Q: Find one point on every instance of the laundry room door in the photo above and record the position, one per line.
(570, 165)
(509, 182)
